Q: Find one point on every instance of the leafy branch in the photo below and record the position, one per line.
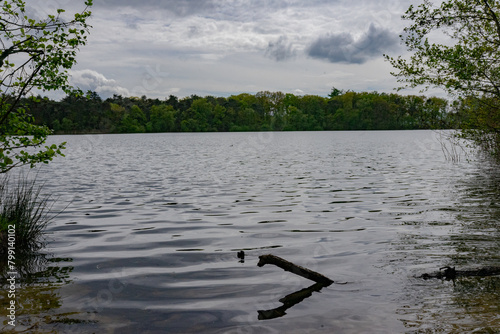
(35, 54)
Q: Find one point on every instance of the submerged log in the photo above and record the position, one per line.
(450, 273)
(293, 268)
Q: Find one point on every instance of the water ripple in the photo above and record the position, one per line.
(153, 224)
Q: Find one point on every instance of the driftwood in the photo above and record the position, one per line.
(293, 268)
(450, 273)
(298, 296)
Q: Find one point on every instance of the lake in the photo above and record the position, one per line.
(152, 224)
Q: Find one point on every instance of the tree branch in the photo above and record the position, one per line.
(493, 16)
(293, 268)
(21, 93)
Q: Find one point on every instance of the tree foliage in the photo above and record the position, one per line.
(35, 54)
(456, 46)
(263, 111)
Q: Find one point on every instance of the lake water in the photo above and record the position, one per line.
(148, 241)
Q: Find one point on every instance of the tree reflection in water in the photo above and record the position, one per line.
(465, 304)
(39, 279)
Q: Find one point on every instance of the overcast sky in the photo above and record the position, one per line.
(225, 47)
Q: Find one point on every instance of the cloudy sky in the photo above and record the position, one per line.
(224, 47)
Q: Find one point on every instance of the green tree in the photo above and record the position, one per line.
(477, 117)
(467, 61)
(314, 107)
(220, 118)
(133, 121)
(35, 53)
(382, 118)
(295, 120)
(348, 115)
(162, 119)
(335, 92)
(197, 118)
(56, 125)
(67, 125)
(248, 120)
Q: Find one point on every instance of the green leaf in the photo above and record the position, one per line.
(44, 60)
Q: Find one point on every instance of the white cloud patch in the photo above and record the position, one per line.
(97, 82)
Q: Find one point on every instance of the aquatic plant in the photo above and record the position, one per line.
(453, 146)
(24, 207)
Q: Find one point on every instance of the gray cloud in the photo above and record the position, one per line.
(281, 49)
(178, 7)
(201, 44)
(343, 48)
(242, 10)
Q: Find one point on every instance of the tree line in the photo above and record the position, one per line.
(263, 111)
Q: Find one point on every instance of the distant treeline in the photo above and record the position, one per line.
(264, 111)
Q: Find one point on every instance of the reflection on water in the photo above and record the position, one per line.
(289, 301)
(37, 295)
(154, 224)
(479, 217)
(466, 304)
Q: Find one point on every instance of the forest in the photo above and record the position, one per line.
(263, 111)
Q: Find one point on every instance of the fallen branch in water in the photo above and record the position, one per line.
(293, 268)
(450, 273)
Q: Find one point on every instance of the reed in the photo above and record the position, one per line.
(453, 146)
(23, 205)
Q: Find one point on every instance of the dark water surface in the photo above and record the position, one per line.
(148, 241)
